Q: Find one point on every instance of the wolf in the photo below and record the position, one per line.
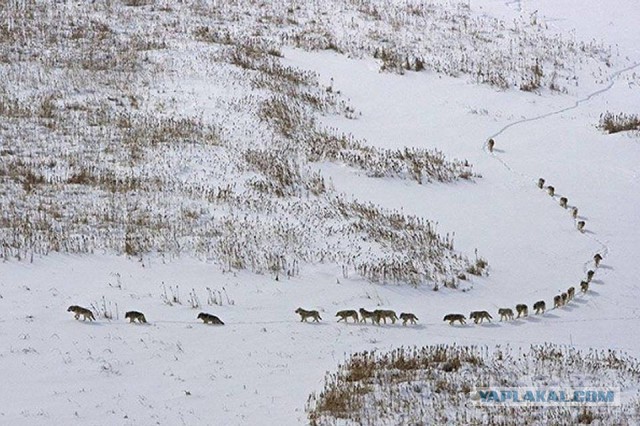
(454, 317)
(408, 317)
(383, 314)
(364, 314)
(539, 306)
(571, 292)
(522, 310)
(590, 275)
(344, 315)
(580, 225)
(565, 298)
(551, 190)
(584, 286)
(480, 316)
(574, 212)
(597, 259)
(491, 144)
(563, 202)
(304, 314)
(135, 315)
(79, 310)
(557, 301)
(541, 183)
(505, 313)
(209, 319)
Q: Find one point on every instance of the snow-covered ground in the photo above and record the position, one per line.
(260, 367)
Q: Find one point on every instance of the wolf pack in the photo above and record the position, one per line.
(380, 316)
(377, 316)
(559, 300)
(478, 317)
(522, 309)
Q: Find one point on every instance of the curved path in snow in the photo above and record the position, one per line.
(612, 80)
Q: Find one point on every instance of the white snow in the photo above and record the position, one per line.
(260, 367)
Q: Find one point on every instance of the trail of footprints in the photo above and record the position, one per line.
(540, 306)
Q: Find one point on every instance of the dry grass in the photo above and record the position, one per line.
(435, 385)
(99, 162)
(615, 123)
(101, 157)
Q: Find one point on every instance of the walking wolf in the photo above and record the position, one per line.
(522, 310)
(349, 313)
(364, 314)
(383, 314)
(505, 313)
(479, 316)
(304, 314)
(539, 306)
(408, 317)
(135, 315)
(209, 319)
(454, 317)
(79, 310)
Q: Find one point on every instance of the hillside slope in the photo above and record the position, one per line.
(261, 366)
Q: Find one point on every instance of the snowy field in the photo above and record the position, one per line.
(262, 365)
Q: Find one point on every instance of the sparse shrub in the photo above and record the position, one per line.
(172, 299)
(479, 266)
(419, 164)
(105, 309)
(533, 79)
(194, 301)
(436, 385)
(614, 123)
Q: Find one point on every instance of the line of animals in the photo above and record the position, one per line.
(477, 316)
(381, 315)
(134, 316)
(523, 310)
(540, 306)
(580, 224)
(564, 203)
(375, 316)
